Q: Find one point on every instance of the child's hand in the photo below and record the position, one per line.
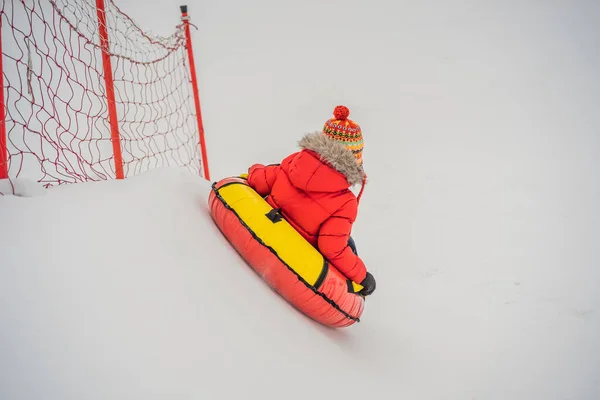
(368, 285)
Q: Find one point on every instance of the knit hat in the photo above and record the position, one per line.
(346, 131)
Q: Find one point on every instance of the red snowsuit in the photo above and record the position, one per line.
(314, 197)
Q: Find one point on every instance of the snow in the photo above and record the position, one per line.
(480, 220)
(23, 187)
(126, 289)
(130, 291)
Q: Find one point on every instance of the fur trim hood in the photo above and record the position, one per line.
(335, 154)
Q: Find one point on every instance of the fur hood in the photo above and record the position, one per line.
(335, 154)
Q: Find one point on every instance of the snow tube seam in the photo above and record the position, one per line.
(323, 274)
(259, 240)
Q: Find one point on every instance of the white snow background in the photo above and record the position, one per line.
(480, 221)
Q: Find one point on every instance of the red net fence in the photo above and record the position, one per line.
(88, 95)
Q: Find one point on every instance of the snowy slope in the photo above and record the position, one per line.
(125, 289)
(159, 308)
(480, 220)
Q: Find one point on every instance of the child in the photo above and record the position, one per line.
(311, 189)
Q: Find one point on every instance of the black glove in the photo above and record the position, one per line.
(368, 285)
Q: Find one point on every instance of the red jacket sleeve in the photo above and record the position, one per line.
(261, 178)
(333, 242)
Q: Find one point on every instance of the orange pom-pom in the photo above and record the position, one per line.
(341, 113)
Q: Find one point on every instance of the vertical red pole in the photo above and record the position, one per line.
(3, 149)
(110, 90)
(185, 18)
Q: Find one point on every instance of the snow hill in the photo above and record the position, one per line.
(126, 290)
(480, 220)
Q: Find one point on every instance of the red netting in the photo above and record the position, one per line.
(57, 123)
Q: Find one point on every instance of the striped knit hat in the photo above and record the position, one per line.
(346, 131)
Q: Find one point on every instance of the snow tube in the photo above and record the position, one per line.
(290, 265)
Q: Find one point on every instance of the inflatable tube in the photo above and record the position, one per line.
(282, 257)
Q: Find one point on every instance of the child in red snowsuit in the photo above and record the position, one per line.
(312, 190)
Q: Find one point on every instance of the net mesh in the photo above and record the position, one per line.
(57, 118)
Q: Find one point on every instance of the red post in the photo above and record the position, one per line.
(186, 23)
(3, 149)
(110, 90)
